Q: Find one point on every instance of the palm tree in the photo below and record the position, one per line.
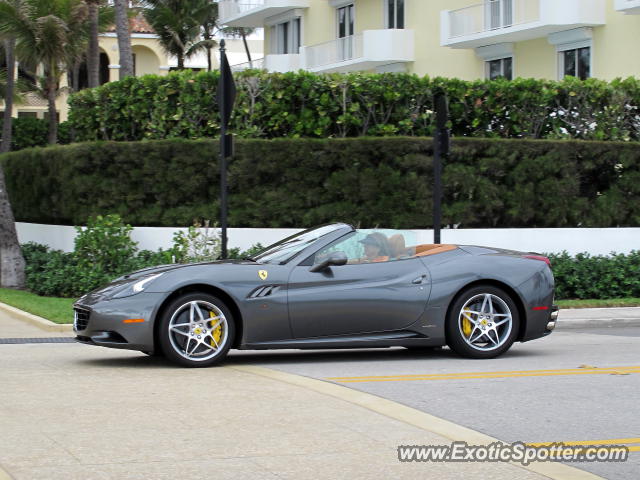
(47, 33)
(124, 38)
(242, 32)
(93, 52)
(7, 93)
(207, 14)
(12, 264)
(177, 24)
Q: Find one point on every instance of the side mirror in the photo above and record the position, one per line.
(335, 259)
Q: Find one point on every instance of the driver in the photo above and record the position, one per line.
(376, 248)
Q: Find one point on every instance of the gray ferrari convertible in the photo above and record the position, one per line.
(328, 287)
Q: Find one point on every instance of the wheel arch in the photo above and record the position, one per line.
(504, 286)
(204, 288)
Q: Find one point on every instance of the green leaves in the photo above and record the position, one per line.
(303, 104)
(598, 276)
(296, 182)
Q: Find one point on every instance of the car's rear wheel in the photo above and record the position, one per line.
(196, 330)
(483, 322)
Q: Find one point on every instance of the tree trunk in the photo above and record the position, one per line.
(93, 51)
(53, 117)
(124, 38)
(209, 65)
(11, 260)
(246, 47)
(8, 101)
(180, 62)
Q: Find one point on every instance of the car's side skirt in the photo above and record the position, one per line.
(369, 340)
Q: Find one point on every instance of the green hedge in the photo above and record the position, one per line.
(32, 132)
(272, 105)
(298, 182)
(586, 276)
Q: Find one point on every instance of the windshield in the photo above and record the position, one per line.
(286, 249)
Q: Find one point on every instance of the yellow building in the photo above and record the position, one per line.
(467, 39)
(148, 58)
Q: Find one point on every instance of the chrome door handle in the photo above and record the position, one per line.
(419, 280)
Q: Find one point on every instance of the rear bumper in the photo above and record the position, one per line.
(540, 323)
(553, 318)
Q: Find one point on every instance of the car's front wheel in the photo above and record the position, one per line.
(196, 330)
(483, 322)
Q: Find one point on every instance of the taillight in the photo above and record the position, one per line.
(539, 257)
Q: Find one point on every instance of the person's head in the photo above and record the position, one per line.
(374, 245)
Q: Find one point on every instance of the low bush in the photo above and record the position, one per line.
(104, 251)
(586, 276)
(33, 132)
(303, 104)
(488, 183)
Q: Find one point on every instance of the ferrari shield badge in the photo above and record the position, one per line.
(263, 274)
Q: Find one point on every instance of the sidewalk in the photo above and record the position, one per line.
(598, 317)
(70, 411)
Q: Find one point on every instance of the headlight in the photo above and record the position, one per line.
(136, 286)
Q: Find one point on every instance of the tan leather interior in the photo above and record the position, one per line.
(433, 249)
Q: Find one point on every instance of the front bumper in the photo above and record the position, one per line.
(100, 321)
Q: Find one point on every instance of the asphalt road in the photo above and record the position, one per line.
(567, 399)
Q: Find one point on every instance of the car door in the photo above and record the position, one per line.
(356, 297)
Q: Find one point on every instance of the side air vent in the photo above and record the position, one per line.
(264, 291)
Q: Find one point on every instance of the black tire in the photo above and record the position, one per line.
(172, 344)
(502, 338)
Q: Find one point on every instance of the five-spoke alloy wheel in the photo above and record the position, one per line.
(483, 322)
(196, 330)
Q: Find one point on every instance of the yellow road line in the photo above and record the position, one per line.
(614, 441)
(502, 374)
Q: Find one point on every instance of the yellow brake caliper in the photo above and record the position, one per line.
(217, 332)
(466, 324)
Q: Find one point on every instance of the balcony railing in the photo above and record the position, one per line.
(232, 8)
(631, 7)
(335, 51)
(492, 15)
(257, 64)
(252, 13)
(498, 21)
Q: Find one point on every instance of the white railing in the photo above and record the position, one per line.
(335, 51)
(628, 6)
(258, 64)
(492, 15)
(231, 8)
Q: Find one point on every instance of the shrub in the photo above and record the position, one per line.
(303, 104)
(199, 244)
(33, 132)
(304, 182)
(585, 276)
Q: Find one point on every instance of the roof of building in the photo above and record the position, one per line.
(137, 24)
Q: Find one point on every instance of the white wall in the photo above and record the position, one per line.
(596, 241)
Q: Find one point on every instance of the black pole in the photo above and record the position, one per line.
(223, 154)
(226, 96)
(440, 153)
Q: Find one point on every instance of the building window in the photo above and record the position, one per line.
(286, 37)
(499, 68)
(345, 21)
(394, 11)
(576, 62)
(499, 13)
(345, 32)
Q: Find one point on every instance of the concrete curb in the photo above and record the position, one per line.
(39, 322)
(605, 322)
(599, 317)
(411, 416)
